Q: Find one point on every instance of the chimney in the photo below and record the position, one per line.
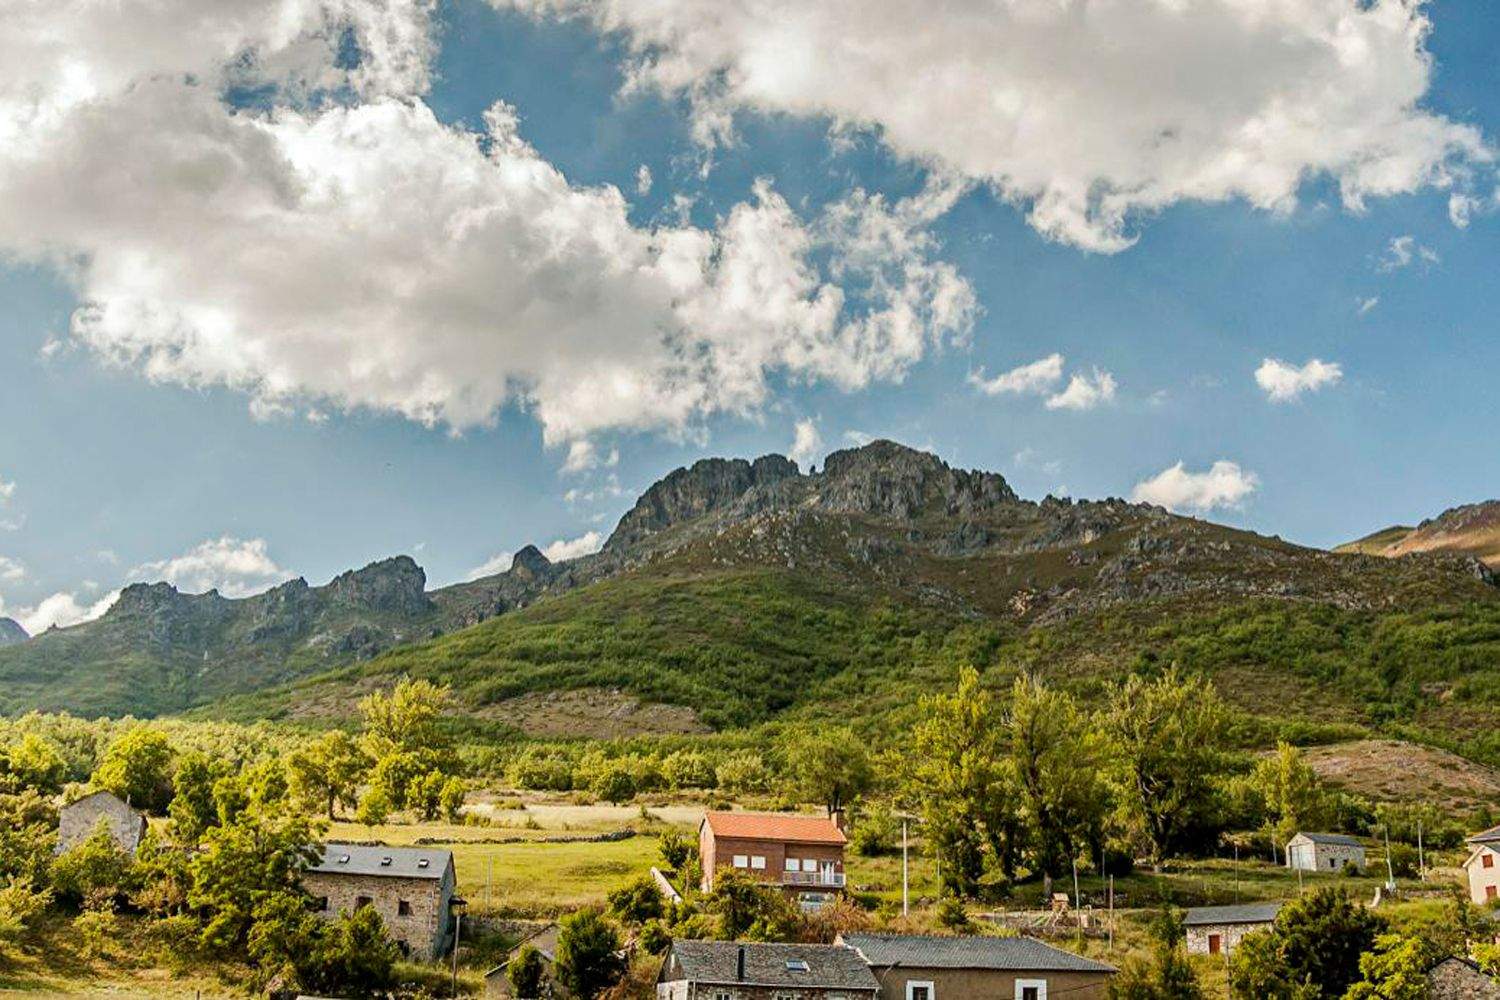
(839, 820)
(739, 968)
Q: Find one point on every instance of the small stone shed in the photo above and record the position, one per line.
(544, 940)
(410, 887)
(910, 967)
(727, 970)
(1217, 930)
(1460, 979)
(76, 822)
(1324, 852)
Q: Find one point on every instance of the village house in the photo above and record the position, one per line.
(1460, 979)
(410, 887)
(977, 968)
(804, 855)
(544, 940)
(726, 970)
(1482, 867)
(1324, 852)
(77, 821)
(1217, 930)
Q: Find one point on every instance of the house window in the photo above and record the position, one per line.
(920, 991)
(1489, 892)
(403, 908)
(1487, 861)
(793, 865)
(809, 865)
(723, 995)
(1214, 943)
(1031, 989)
(758, 863)
(741, 861)
(360, 902)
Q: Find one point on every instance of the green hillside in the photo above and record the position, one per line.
(1377, 542)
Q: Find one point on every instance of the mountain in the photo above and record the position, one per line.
(11, 632)
(735, 590)
(1472, 530)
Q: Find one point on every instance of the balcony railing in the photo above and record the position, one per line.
(827, 880)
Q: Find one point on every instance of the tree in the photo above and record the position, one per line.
(1396, 969)
(1056, 758)
(749, 908)
(452, 799)
(688, 769)
(1167, 735)
(1313, 950)
(524, 970)
(374, 808)
(828, 766)
(406, 719)
(1294, 797)
(612, 782)
(586, 960)
(35, 762)
(328, 771)
(674, 849)
(95, 871)
(193, 808)
(243, 863)
(351, 955)
(636, 901)
(742, 771)
(138, 768)
(1167, 975)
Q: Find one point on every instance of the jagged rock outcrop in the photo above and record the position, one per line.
(891, 480)
(530, 564)
(11, 632)
(393, 586)
(710, 485)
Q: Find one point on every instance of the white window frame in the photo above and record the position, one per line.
(758, 862)
(742, 861)
(913, 985)
(793, 865)
(809, 864)
(1040, 985)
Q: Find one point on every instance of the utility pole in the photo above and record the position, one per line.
(1421, 856)
(905, 871)
(1390, 873)
(1077, 903)
(458, 927)
(1111, 913)
(1236, 871)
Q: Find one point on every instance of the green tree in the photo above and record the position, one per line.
(587, 960)
(637, 901)
(1294, 796)
(612, 781)
(35, 762)
(1396, 969)
(327, 772)
(828, 766)
(242, 864)
(742, 771)
(193, 808)
(374, 808)
(21, 904)
(749, 908)
(1057, 759)
(688, 769)
(524, 971)
(452, 799)
(1167, 974)
(95, 871)
(1168, 737)
(138, 768)
(407, 719)
(28, 831)
(674, 849)
(1313, 950)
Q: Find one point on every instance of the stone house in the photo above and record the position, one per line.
(410, 887)
(804, 855)
(1324, 852)
(977, 968)
(76, 822)
(1482, 866)
(727, 970)
(1217, 930)
(1460, 979)
(544, 940)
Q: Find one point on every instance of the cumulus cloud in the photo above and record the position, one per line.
(1284, 382)
(806, 444)
(11, 570)
(1225, 484)
(345, 248)
(234, 567)
(497, 563)
(1087, 114)
(8, 520)
(1366, 306)
(571, 548)
(61, 609)
(643, 180)
(1037, 377)
(1403, 251)
(1084, 392)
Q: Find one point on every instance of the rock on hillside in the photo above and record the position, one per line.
(1472, 530)
(11, 632)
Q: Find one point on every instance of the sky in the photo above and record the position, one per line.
(293, 285)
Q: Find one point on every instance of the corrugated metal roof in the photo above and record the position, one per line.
(783, 827)
(1242, 913)
(820, 966)
(393, 862)
(1331, 838)
(1020, 954)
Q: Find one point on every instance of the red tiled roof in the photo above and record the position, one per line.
(783, 827)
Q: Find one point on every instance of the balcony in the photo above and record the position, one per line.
(819, 880)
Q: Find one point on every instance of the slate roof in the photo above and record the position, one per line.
(1019, 954)
(1243, 913)
(1331, 838)
(392, 862)
(1489, 836)
(782, 827)
(828, 966)
(1460, 979)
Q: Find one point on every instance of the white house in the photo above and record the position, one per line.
(1324, 852)
(1483, 866)
(1217, 930)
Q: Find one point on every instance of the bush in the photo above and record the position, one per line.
(524, 971)
(587, 962)
(951, 913)
(743, 771)
(636, 901)
(874, 832)
(688, 769)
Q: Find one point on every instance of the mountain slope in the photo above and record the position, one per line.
(1472, 530)
(11, 632)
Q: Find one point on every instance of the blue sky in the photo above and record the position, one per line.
(117, 467)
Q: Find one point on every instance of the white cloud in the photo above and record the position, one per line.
(858, 438)
(7, 521)
(1084, 392)
(11, 570)
(806, 444)
(234, 567)
(571, 548)
(1087, 114)
(1037, 377)
(498, 563)
(61, 609)
(1366, 306)
(1225, 484)
(1403, 251)
(1028, 458)
(347, 249)
(643, 180)
(7, 490)
(1284, 382)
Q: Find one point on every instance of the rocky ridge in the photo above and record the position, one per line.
(11, 632)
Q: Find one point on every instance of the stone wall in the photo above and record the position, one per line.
(1229, 936)
(423, 930)
(76, 822)
(992, 984)
(683, 990)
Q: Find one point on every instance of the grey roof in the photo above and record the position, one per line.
(1487, 837)
(1331, 838)
(828, 966)
(1021, 954)
(395, 862)
(1242, 913)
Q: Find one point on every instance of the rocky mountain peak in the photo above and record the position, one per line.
(395, 585)
(11, 632)
(708, 485)
(530, 563)
(891, 480)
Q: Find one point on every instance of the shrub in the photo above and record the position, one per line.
(524, 971)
